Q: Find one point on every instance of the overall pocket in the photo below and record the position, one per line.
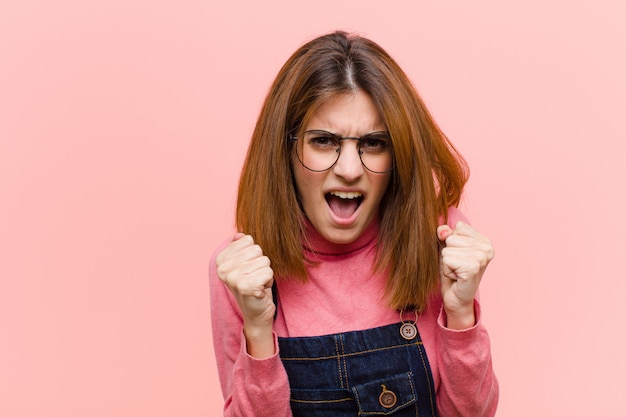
(386, 396)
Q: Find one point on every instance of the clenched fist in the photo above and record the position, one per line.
(463, 261)
(247, 273)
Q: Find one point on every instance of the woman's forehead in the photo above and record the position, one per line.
(346, 114)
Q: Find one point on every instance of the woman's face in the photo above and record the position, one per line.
(342, 201)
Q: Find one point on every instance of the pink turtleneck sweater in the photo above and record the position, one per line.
(343, 295)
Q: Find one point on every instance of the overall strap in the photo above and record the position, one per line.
(275, 298)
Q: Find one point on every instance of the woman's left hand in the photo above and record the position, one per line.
(463, 261)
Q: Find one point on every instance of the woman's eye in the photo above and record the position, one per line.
(323, 141)
(374, 144)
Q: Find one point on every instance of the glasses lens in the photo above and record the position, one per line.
(375, 151)
(318, 150)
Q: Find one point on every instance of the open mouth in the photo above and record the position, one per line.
(344, 204)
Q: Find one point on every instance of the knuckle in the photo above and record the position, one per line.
(241, 286)
(487, 253)
(476, 266)
(223, 272)
(221, 257)
(257, 251)
(480, 261)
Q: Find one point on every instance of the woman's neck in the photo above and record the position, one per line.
(315, 243)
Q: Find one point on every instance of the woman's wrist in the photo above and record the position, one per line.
(460, 318)
(259, 341)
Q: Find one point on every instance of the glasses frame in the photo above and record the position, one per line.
(340, 139)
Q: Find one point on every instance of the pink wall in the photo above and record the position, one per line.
(123, 125)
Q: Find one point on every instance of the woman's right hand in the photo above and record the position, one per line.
(248, 275)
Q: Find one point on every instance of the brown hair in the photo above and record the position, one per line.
(428, 176)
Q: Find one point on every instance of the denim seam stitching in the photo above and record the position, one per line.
(340, 400)
(417, 409)
(430, 394)
(345, 355)
(345, 364)
(338, 362)
(339, 368)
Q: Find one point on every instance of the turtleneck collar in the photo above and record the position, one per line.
(314, 242)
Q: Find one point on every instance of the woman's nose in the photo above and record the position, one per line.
(349, 165)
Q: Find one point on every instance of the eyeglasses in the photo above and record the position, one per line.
(319, 150)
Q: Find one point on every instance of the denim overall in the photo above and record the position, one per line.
(373, 372)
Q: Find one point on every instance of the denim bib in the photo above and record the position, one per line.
(373, 372)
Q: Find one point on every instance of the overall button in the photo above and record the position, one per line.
(408, 331)
(387, 398)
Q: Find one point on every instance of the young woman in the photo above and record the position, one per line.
(351, 288)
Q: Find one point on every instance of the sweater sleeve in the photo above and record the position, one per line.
(468, 384)
(250, 386)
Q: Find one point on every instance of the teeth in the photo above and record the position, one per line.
(346, 195)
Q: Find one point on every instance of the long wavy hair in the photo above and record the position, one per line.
(428, 176)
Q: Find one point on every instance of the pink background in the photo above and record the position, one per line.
(123, 126)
